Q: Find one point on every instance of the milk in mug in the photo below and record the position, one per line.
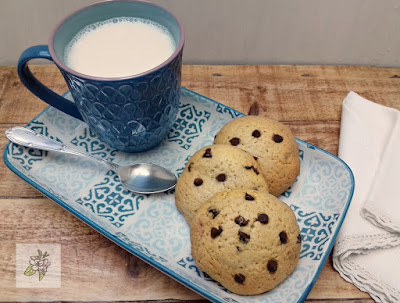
(119, 47)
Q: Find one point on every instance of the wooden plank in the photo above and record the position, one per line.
(17, 104)
(293, 93)
(286, 93)
(92, 263)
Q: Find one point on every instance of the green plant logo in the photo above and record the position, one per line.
(39, 264)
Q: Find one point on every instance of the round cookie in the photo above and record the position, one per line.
(247, 240)
(271, 143)
(213, 169)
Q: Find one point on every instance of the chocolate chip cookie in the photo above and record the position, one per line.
(213, 169)
(271, 143)
(247, 240)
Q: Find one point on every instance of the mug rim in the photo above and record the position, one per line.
(63, 66)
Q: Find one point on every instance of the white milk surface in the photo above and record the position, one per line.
(119, 47)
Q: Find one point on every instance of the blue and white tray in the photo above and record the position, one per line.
(149, 226)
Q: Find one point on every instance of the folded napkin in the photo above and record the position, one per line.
(367, 249)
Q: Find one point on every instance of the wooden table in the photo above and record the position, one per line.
(306, 98)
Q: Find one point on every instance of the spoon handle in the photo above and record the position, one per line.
(27, 137)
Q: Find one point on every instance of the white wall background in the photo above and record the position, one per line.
(357, 32)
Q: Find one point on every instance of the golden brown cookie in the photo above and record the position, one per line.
(213, 169)
(271, 143)
(247, 240)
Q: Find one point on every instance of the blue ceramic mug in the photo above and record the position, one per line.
(131, 114)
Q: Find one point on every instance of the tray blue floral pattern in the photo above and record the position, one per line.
(149, 226)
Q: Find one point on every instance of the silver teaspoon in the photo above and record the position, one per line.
(143, 178)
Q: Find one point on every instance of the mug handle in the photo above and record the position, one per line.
(37, 88)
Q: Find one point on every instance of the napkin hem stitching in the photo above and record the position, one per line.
(372, 288)
(364, 242)
(379, 217)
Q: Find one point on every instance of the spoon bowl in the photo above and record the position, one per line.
(142, 178)
(147, 177)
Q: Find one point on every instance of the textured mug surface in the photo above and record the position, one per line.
(131, 114)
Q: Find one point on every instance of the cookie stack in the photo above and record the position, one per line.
(242, 235)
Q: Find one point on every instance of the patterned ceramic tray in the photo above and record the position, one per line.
(149, 226)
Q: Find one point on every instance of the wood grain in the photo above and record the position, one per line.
(93, 267)
(293, 93)
(306, 98)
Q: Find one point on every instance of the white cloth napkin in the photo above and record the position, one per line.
(367, 249)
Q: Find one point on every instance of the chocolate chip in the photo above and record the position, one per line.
(239, 278)
(243, 237)
(234, 141)
(299, 238)
(198, 181)
(239, 220)
(214, 212)
(262, 218)
(255, 158)
(272, 266)
(256, 134)
(207, 153)
(238, 248)
(249, 197)
(216, 232)
(283, 237)
(253, 168)
(221, 177)
(190, 166)
(277, 138)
